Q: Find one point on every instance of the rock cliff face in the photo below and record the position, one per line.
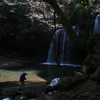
(22, 30)
(27, 25)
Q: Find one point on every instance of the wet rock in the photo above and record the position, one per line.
(20, 98)
(6, 99)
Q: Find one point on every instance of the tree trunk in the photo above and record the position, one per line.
(92, 47)
(75, 39)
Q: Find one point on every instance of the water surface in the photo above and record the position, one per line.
(37, 73)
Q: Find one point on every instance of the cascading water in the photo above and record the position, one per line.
(97, 24)
(67, 52)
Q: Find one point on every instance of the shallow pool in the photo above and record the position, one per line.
(36, 73)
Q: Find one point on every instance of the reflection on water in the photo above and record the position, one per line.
(36, 73)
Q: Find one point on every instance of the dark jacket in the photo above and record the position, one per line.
(22, 77)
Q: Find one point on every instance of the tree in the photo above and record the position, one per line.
(89, 46)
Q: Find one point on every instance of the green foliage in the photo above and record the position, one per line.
(83, 5)
(87, 9)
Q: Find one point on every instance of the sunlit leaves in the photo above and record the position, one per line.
(83, 5)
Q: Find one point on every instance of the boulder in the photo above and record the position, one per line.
(12, 93)
(20, 97)
(29, 93)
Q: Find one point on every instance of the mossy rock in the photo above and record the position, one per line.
(29, 93)
(51, 88)
(47, 89)
(96, 74)
(20, 97)
(12, 93)
(89, 64)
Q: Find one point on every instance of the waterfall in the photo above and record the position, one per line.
(97, 24)
(66, 51)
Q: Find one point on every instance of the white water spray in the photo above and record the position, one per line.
(66, 51)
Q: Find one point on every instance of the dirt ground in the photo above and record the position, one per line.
(38, 88)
